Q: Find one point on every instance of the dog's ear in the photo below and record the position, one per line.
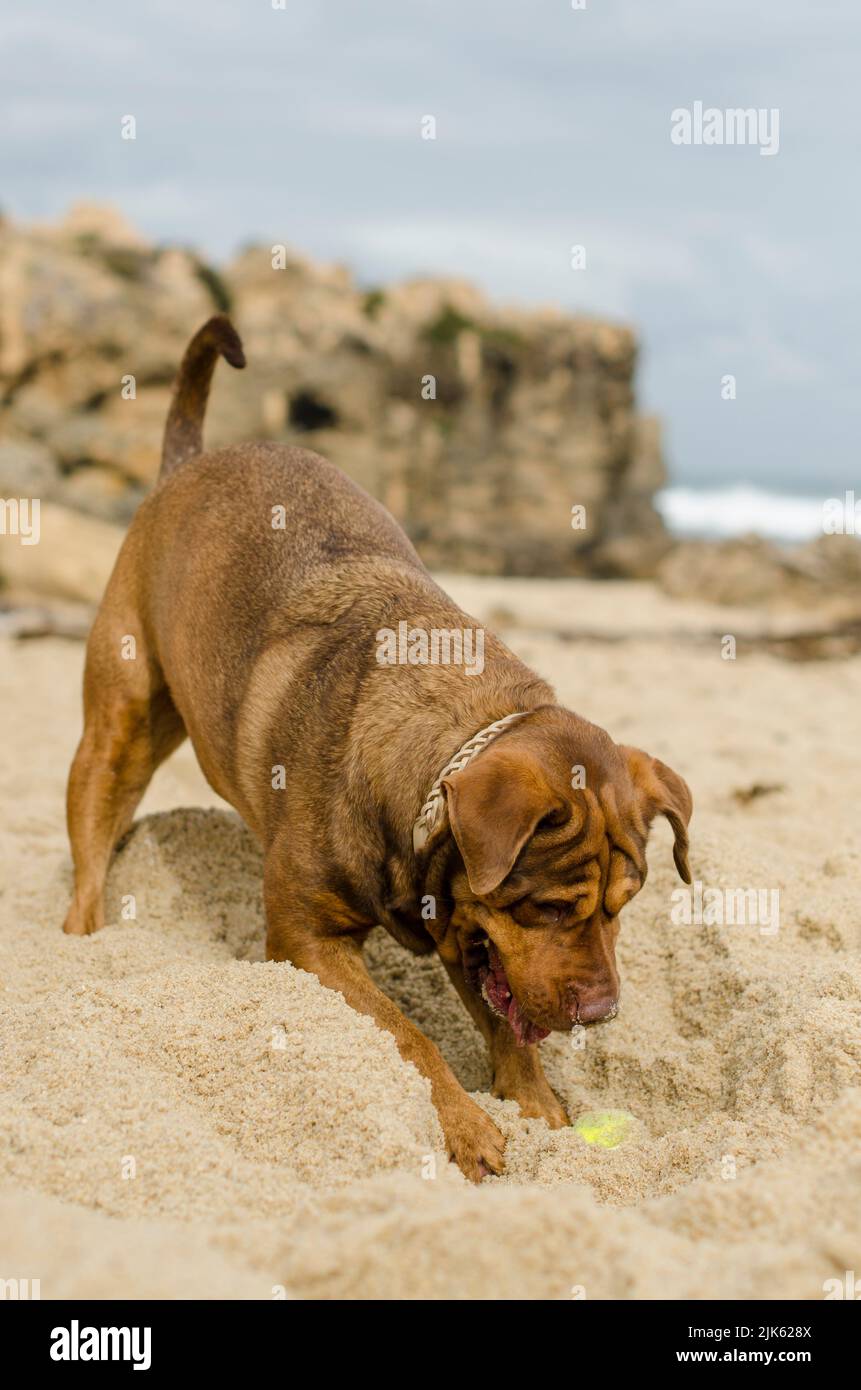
(494, 805)
(662, 792)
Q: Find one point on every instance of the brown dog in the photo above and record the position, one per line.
(262, 587)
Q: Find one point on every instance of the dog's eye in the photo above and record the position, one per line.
(530, 913)
(551, 913)
(548, 913)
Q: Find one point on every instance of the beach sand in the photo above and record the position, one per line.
(179, 1119)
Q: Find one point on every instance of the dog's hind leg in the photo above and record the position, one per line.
(130, 726)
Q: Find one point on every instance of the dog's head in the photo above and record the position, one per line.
(549, 857)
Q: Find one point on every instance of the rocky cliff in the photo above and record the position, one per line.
(479, 427)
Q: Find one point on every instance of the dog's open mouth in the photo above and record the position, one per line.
(490, 979)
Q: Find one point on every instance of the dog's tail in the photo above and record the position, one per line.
(183, 432)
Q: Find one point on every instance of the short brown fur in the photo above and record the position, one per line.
(259, 642)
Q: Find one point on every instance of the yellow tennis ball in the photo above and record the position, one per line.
(606, 1128)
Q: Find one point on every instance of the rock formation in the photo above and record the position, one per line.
(480, 428)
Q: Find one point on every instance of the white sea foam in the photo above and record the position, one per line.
(740, 510)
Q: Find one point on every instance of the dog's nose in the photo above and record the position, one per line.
(593, 1008)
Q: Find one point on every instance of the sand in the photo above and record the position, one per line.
(179, 1119)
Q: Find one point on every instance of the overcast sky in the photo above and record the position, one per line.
(303, 125)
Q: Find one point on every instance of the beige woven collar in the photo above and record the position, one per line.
(429, 814)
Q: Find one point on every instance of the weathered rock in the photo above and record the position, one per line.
(27, 469)
(100, 492)
(752, 570)
(480, 428)
(72, 559)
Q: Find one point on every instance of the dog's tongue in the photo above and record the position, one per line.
(501, 998)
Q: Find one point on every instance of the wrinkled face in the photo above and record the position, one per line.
(547, 867)
(546, 936)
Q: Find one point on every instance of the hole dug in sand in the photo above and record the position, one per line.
(277, 1134)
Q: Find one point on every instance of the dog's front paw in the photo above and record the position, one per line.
(84, 920)
(542, 1106)
(472, 1140)
(532, 1092)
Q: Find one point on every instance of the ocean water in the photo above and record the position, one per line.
(719, 513)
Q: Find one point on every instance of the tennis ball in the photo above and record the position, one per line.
(606, 1128)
